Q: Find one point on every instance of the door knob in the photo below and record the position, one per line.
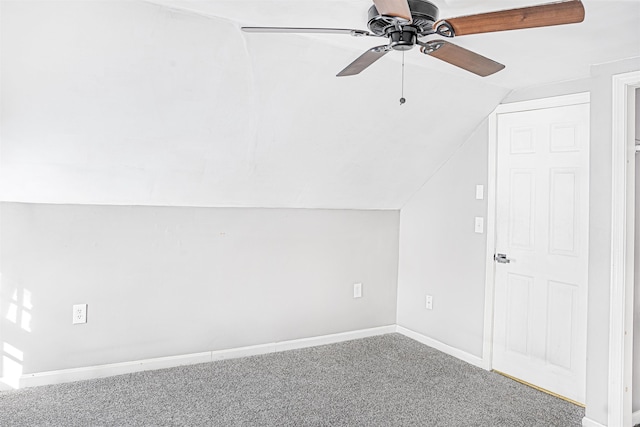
(501, 258)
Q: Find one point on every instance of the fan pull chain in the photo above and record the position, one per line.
(402, 100)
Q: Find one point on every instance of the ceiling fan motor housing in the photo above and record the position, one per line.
(423, 14)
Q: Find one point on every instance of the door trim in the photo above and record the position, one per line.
(622, 252)
(489, 290)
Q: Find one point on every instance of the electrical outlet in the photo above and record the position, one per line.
(79, 313)
(429, 302)
(357, 290)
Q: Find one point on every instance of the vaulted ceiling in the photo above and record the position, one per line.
(167, 102)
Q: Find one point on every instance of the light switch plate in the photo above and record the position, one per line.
(357, 290)
(479, 224)
(479, 192)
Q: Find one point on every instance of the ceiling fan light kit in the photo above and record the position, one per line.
(406, 22)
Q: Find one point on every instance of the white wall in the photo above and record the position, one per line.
(441, 255)
(163, 281)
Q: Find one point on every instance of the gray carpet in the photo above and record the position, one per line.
(388, 380)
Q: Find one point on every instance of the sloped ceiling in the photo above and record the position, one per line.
(169, 103)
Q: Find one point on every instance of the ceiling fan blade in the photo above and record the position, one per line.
(364, 60)
(307, 30)
(543, 15)
(396, 8)
(461, 57)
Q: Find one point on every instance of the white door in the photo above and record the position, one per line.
(542, 217)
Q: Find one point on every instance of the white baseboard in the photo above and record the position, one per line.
(588, 422)
(101, 371)
(445, 348)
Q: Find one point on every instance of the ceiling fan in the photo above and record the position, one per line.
(405, 22)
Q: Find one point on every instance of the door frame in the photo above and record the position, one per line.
(489, 293)
(620, 375)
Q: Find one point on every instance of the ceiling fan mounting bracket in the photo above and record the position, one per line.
(360, 33)
(430, 47)
(444, 29)
(381, 49)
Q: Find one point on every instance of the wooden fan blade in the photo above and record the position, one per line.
(461, 57)
(544, 15)
(396, 8)
(364, 60)
(306, 30)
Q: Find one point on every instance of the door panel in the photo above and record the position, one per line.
(521, 206)
(542, 226)
(561, 312)
(562, 219)
(518, 291)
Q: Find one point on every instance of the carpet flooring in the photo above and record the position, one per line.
(387, 380)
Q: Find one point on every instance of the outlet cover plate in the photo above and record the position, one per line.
(79, 313)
